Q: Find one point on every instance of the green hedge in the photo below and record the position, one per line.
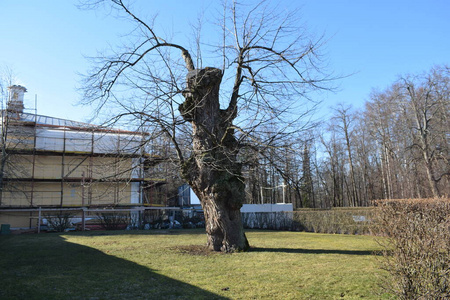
(343, 220)
(339, 220)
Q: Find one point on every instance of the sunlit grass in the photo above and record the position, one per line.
(174, 265)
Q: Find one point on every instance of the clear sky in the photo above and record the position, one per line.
(44, 42)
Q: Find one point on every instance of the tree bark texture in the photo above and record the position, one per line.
(213, 171)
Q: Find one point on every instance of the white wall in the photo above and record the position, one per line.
(135, 195)
(248, 208)
(193, 197)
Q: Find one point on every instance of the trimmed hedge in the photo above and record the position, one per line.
(338, 220)
(343, 220)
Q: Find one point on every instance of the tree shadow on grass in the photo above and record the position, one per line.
(311, 251)
(53, 268)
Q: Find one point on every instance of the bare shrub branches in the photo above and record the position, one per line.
(415, 235)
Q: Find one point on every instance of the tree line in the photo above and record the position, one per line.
(397, 146)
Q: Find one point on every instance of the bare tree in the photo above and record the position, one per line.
(13, 137)
(269, 65)
(333, 175)
(427, 98)
(5, 82)
(344, 120)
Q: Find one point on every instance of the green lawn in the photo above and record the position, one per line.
(174, 265)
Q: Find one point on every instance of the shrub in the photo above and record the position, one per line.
(113, 221)
(59, 222)
(416, 242)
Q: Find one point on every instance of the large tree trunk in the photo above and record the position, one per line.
(213, 170)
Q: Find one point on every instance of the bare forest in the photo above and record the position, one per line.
(396, 147)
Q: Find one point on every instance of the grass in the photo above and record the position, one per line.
(174, 265)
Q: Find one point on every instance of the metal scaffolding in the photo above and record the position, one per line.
(61, 164)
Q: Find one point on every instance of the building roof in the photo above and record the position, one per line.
(61, 135)
(47, 121)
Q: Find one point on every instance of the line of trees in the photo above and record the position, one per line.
(397, 146)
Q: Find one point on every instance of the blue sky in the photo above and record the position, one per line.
(44, 42)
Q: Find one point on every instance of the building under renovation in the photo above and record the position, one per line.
(50, 164)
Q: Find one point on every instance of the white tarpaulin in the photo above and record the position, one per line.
(87, 142)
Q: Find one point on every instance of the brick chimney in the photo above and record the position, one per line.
(15, 103)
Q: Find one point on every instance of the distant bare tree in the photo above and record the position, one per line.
(5, 82)
(344, 121)
(427, 98)
(13, 138)
(332, 169)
